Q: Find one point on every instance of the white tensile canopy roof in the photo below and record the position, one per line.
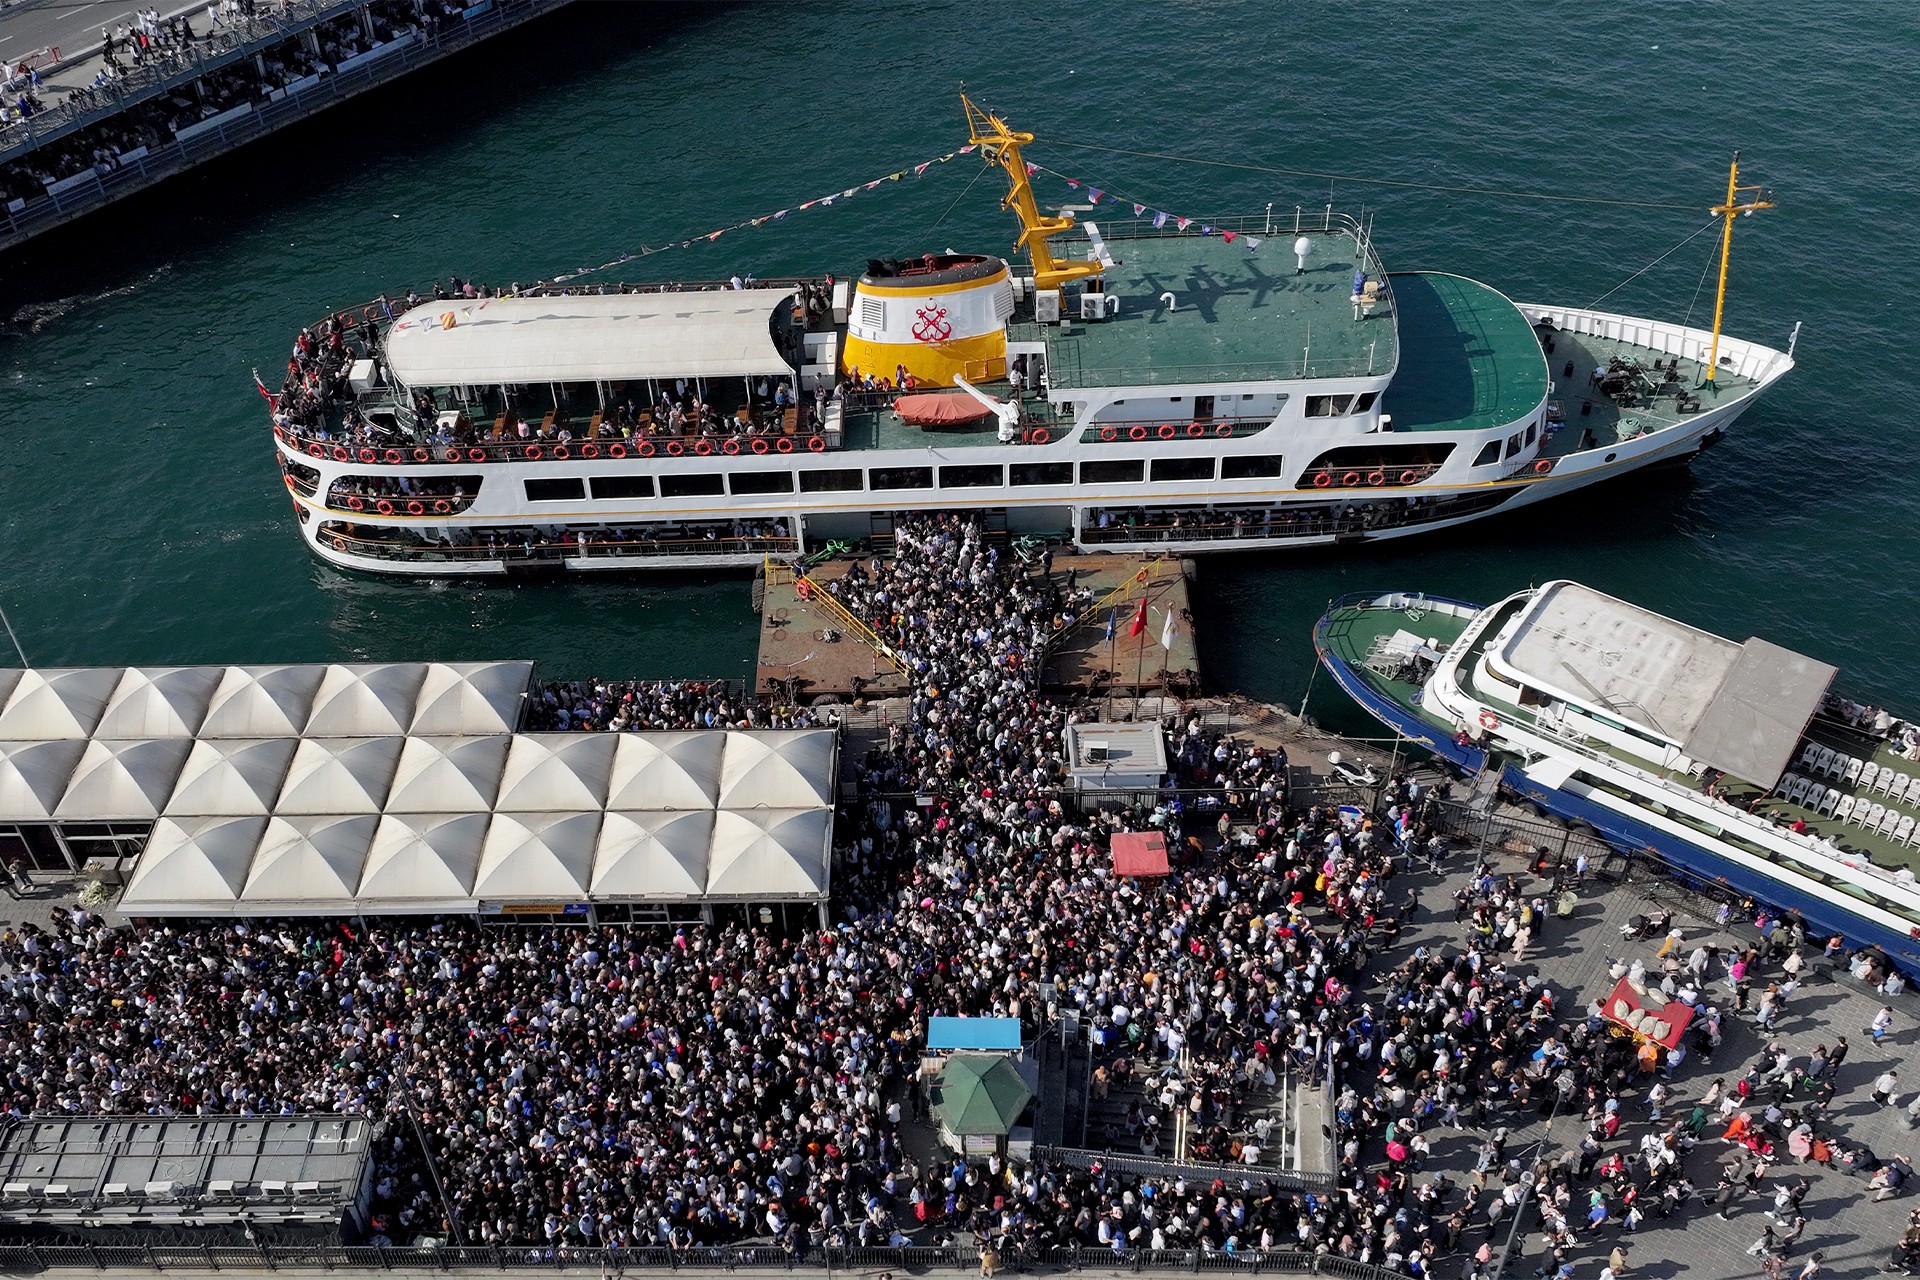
(556, 772)
(159, 702)
(262, 702)
(123, 780)
(310, 861)
(448, 775)
(231, 776)
(424, 861)
(653, 856)
(339, 775)
(538, 857)
(60, 702)
(666, 771)
(791, 769)
(193, 863)
(769, 854)
(34, 775)
(471, 698)
(365, 701)
(724, 333)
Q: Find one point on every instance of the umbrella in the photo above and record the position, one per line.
(979, 1093)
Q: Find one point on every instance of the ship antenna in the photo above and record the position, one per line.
(1001, 146)
(1727, 213)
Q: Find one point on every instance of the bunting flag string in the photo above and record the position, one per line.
(646, 251)
(1160, 217)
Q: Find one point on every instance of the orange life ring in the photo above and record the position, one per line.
(356, 503)
(339, 543)
(816, 444)
(368, 314)
(441, 506)
(1542, 466)
(675, 448)
(416, 508)
(384, 507)
(618, 450)
(1321, 479)
(1488, 720)
(1108, 433)
(278, 434)
(1224, 431)
(1350, 479)
(395, 457)
(1137, 432)
(342, 454)
(1409, 476)
(731, 448)
(560, 452)
(1168, 431)
(704, 448)
(533, 452)
(367, 455)
(785, 444)
(451, 455)
(589, 450)
(759, 445)
(316, 451)
(476, 455)
(1376, 478)
(1042, 436)
(426, 455)
(803, 589)
(1195, 431)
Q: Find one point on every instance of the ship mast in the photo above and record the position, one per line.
(1727, 212)
(1001, 146)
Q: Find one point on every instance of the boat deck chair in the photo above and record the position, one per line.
(1844, 810)
(1875, 812)
(1828, 802)
(1887, 776)
(1890, 823)
(1869, 774)
(1852, 773)
(1903, 834)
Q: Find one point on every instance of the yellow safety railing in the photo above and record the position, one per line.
(1109, 601)
(812, 592)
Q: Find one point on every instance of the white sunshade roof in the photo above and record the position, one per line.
(448, 775)
(231, 776)
(778, 770)
(65, 702)
(722, 333)
(34, 775)
(424, 858)
(770, 854)
(556, 772)
(365, 701)
(339, 775)
(125, 781)
(159, 702)
(538, 857)
(666, 770)
(464, 698)
(193, 860)
(310, 859)
(262, 702)
(653, 855)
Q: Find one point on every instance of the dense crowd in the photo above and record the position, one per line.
(561, 705)
(587, 1086)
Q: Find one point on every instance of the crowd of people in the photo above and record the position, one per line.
(1306, 519)
(555, 542)
(592, 1086)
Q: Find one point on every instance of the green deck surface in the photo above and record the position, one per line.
(1237, 314)
(1595, 421)
(1470, 359)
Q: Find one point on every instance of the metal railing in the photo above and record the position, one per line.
(535, 449)
(398, 504)
(1159, 430)
(814, 593)
(523, 552)
(1306, 519)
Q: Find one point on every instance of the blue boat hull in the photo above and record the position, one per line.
(1470, 759)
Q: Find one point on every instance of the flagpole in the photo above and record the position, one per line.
(1113, 660)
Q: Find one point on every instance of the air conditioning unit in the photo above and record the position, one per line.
(1099, 306)
(1046, 306)
(1098, 752)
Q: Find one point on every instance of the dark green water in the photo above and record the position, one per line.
(143, 519)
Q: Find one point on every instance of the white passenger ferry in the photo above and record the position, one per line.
(1132, 386)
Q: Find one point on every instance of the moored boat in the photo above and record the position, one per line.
(1134, 385)
(1735, 763)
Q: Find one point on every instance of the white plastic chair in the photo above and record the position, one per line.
(1844, 810)
(1831, 762)
(1852, 774)
(1875, 812)
(1808, 754)
(1886, 779)
(1869, 774)
(1828, 802)
(1904, 788)
(1903, 834)
(1790, 789)
(1890, 823)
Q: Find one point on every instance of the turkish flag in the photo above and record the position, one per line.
(1139, 623)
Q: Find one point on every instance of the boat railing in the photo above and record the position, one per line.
(1360, 514)
(349, 502)
(1750, 360)
(536, 449)
(1066, 375)
(1160, 431)
(525, 551)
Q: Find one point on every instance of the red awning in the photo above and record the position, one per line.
(1139, 853)
(1664, 1024)
(939, 409)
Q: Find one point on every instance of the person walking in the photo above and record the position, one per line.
(1882, 1023)
(1886, 1088)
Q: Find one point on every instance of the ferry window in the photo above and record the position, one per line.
(1533, 433)
(1489, 452)
(1128, 472)
(831, 480)
(1341, 404)
(1165, 469)
(556, 490)
(762, 482)
(1042, 473)
(1513, 444)
(623, 486)
(703, 485)
(1258, 466)
(901, 477)
(1365, 402)
(1319, 406)
(974, 477)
